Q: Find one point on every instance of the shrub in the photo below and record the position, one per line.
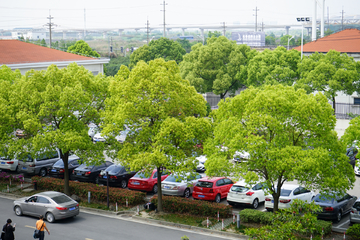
(194, 207)
(255, 216)
(5, 178)
(354, 231)
(320, 225)
(98, 193)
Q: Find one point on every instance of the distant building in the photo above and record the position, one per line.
(252, 39)
(184, 37)
(26, 56)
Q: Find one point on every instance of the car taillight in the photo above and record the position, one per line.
(61, 208)
(329, 209)
(61, 170)
(285, 200)
(267, 199)
(77, 205)
(10, 162)
(249, 193)
(32, 165)
(73, 172)
(87, 173)
(211, 190)
(113, 177)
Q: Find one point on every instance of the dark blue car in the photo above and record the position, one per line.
(334, 206)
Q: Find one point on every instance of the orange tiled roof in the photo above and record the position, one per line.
(346, 41)
(16, 52)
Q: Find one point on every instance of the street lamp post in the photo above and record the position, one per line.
(289, 41)
(302, 20)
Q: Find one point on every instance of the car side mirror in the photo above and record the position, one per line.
(26, 200)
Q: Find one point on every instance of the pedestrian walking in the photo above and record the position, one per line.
(41, 225)
(8, 230)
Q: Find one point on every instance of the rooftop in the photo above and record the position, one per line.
(17, 52)
(346, 41)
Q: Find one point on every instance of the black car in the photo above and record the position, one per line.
(90, 173)
(118, 175)
(351, 153)
(57, 170)
(334, 207)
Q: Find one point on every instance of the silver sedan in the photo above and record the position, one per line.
(355, 212)
(179, 185)
(53, 205)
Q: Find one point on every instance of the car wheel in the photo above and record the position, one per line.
(338, 216)
(255, 203)
(18, 211)
(16, 169)
(187, 193)
(50, 217)
(43, 172)
(155, 189)
(218, 198)
(123, 183)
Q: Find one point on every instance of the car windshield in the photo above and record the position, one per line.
(59, 164)
(4, 158)
(323, 199)
(141, 175)
(240, 189)
(84, 167)
(204, 184)
(284, 192)
(114, 169)
(174, 178)
(26, 158)
(61, 199)
(357, 206)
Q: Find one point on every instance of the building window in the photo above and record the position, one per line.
(97, 72)
(356, 101)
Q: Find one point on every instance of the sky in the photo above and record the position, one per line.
(94, 14)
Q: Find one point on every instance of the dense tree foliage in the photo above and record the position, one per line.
(329, 73)
(160, 108)
(82, 48)
(288, 134)
(114, 65)
(272, 67)
(54, 108)
(219, 66)
(161, 48)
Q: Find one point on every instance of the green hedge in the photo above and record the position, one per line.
(194, 207)
(255, 216)
(98, 193)
(354, 231)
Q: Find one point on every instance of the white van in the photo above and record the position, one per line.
(39, 165)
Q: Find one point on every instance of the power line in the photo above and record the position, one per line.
(50, 25)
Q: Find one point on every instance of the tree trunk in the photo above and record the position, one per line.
(334, 105)
(159, 206)
(276, 201)
(65, 158)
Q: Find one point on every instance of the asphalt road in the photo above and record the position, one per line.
(87, 226)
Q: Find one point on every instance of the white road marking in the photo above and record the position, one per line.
(30, 226)
(89, 239)
(339, 226)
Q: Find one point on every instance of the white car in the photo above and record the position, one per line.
(98, 137)
(201, 166)
(356, 168)
(93, 129)
(243, 193)
(288, 193)
(8, 164)
(241, 156)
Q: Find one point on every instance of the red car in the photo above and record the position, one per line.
(212, 189)
(149, 184)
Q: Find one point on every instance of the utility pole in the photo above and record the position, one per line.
(84, 23)
(328, 17)
(50, 25)
(342, 19)
(164, 16)
(224, 29)
(256, 10)
(147, 31)
(262, 25)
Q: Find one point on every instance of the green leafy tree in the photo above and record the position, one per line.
(159, 108)
(215, 34)
(289, 135)
(352, 133)
(329, 73)
(328, 32)
(269, 40)
(54, 108)
(185, 44)
(160, 48)
(114, 65)
(82, 48)
(273, 66)
(219, 66)
(43, 43)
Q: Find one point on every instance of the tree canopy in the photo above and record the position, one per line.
(289, 136)
(159, 108)
(217, 67)
(329, 73)
(160, 48)
(272, 67)
(82, 48)
(54, 108)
